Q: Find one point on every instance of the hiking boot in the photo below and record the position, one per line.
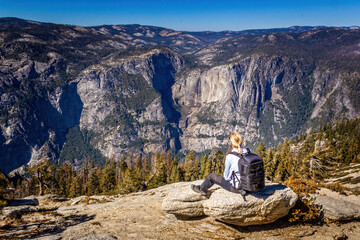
(196, 188)
(242, 192)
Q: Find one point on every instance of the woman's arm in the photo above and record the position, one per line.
(227, 173)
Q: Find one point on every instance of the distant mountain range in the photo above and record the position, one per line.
(71, 93)
(181, 41)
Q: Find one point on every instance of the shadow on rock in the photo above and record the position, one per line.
(279, 224)
(50, 224)
(267, 191)
(189, 219)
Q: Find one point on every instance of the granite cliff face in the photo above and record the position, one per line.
(71, 93)
(122, 104)
(265, 98)
(122, 111)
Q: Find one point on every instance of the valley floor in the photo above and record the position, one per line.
(139, 216)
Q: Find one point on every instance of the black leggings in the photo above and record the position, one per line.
(214, 178)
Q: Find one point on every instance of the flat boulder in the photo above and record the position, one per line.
(263, 207)
(336, 209)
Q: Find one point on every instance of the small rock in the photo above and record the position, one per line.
(49, 237)
(304, 233)
(170, 219)
(99, 199)
(99, 237)
(78, 200)
(341, 236)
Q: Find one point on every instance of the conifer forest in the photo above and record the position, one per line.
(309, 156)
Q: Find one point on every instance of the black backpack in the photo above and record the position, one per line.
(252, 174)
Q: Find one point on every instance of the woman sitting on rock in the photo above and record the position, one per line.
(227, 181)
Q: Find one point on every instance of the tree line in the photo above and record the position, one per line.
(128, 174)
(308, 156)
(313, 155)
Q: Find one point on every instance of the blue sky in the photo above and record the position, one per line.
(191, 15)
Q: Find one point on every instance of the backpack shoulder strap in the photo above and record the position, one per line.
(236, 154)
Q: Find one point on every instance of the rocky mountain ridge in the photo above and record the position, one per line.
(70, 92)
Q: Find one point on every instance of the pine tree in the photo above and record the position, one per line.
(296, 166)
(76, 188)
(196, 169)
(146, 164)
(138, 164)
(122, 166)
(175, 171)
(83, 176)
(279, 173)
(181, 173)
(274, 167)
(204, 161)
(42, 172)
(208, 167)
(94, 182)
(92, 164)
(130, 160)
(63, 178)
(286, 161)
(261, 150)
(174, 175)
(132, 181)
(308, 146)
(108, 177)
(168, 165)
(219, 162)
(268, 164)
(189, 166)
(155, 162)
(159, 177)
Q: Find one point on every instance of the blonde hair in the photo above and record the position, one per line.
(236, 140)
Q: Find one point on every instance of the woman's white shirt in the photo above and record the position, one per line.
(231, 165)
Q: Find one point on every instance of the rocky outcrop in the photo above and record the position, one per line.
(139, 215)
(336, 209)
(272, 203)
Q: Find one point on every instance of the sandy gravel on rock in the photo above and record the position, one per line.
(139, 216)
